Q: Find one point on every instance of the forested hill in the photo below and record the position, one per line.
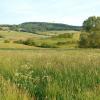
(41, 26)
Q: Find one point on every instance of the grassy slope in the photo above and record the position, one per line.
(15, 46)
(65, 42)
(40, 38)
(13, 36)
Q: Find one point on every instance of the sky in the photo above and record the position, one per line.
(72, 12)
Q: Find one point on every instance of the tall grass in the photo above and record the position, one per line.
(53, 75)
(9, 91)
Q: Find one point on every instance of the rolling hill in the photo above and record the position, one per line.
(33, 27)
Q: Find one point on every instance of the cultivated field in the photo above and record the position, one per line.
(50, 74)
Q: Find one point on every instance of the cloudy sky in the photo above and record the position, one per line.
(72, 12)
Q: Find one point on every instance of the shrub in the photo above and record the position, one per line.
(90, 40)
(7, 41)
(48, 45)
(61, 43)
(84, 42)
(1, 36)
(94, 39)
(65, 35)
(29, 42)
(26, 42)
(19, 41)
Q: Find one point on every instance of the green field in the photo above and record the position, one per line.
(47, 74)
(11, 36)
(39, 73)
(41, 39)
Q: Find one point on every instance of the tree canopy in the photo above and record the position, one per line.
(90, 37)
(92, 24)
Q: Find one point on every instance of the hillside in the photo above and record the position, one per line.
(33, 27)
(47, 39)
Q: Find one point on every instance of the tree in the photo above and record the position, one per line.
(89, 40)
(90, 37)
(92, 24)
(84, 43)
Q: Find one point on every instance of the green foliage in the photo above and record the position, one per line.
(42, 26)
(19, 41)
(92, 24)
(95, 39)
(29, 41)
(84, 42)
(1, 29)
(47, 45)
(32, 42)
(1, 36)
(90, 40)
(14, 28)
(7, 41)
(91, 37)
(33, 27)
(65, 35)
(61, 43)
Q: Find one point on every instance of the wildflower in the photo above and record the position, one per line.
(16, 74)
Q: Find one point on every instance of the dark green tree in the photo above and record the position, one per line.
(92, 24)
(90, 37)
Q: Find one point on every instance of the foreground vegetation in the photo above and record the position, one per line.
(49, 65)
(51, 75)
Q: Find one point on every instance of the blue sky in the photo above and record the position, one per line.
(72, 12)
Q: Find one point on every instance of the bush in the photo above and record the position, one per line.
(61, 43)
(90, 40)
(84, 42)
(47, 45)
(19, 41)
(65, 35)
(26, 42)
(1, 36)
(7, 41)
(29, 42)
(95, 40)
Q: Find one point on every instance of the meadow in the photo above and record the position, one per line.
(48, 39)
(38, 72)
(50, 74)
